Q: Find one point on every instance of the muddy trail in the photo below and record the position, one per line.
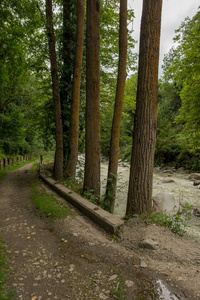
(74, 259)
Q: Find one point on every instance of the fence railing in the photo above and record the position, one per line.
(4, 162)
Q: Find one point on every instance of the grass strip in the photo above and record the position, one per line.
(19, 164)
(2, 174)
(48, 205)
(5, 294)
(34, 166)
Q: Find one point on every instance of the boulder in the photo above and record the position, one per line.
(196, 182)
(181, 170)
(194, 176)
(196, 212)
(165, 202)
(149, 244)
(124, 164)
(167, 180)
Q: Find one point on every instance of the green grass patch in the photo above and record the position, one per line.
(48, 157)
(73, 184)
(175, 222)
(2, 174)
(19, 164)
(119, 291)
(76, 186)
(5, 294)
(48, 205)
(34, 166)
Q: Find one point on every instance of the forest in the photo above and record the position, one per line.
(44, 48)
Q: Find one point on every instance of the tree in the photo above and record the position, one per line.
(144, 136)
(167, 142)
(115, 135)
(182, 65)
(67, 40)
(24, 79)
(92, 137)
(58, 163)
(74, 115)
(109, 60)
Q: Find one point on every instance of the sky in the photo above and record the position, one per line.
(173, 13)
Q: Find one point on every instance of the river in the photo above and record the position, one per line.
(180, 187)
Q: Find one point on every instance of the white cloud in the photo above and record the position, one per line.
(173, 13)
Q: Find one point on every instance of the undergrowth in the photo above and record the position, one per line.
(119, 292)
(34, 166)
(2, 174)
(5, 294)
(76, 186)
(48, 205)
(175, 222)
(18, 165)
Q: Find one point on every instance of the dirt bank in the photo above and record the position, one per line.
(74, 259)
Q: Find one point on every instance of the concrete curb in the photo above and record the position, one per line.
(107, 221)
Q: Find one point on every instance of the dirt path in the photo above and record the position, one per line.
(88, 264)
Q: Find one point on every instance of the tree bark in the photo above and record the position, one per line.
(92, 137)
(145, 124)
(68, 46)
(74, 116)
(115, 133)
(58, 163)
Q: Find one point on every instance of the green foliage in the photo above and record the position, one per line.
(128, 118)
(77, 186)
(100, 201)
(48, 205)
(34, 166)
(73, 184)
(4, 293)
(24, 80)
(175, 222)
(167, 144)
(18, 165)
(119, 292)
(182, 65)
(2, 174)
(109, 65)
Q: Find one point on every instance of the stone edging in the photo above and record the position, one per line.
(105, 220)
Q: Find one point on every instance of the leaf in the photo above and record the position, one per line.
(136, 266)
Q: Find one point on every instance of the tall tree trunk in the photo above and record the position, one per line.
(58, 163)
(69, 32)
(74, 116)
(145, 124)
(92, 137)
(115, 134)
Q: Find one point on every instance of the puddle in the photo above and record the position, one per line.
(164, 293)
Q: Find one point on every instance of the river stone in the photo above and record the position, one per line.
(165, 202)
(149, 244)
(196, 212)
(129, 283)
(196, 182)
(194, 176)
(167, 180)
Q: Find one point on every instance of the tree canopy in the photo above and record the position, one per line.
(182, 67)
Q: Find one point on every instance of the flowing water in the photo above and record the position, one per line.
(180, 187)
